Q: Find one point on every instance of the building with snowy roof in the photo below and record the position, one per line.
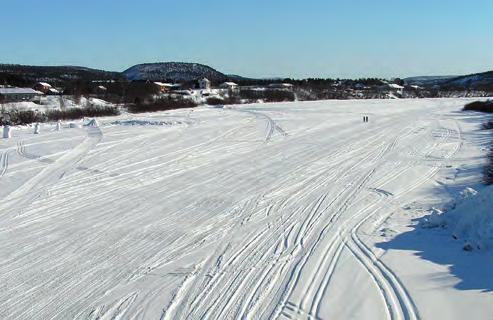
(43, 87)
(46, 88)
(19, 94)
(396, 88)
(230, 86)
(164, 87)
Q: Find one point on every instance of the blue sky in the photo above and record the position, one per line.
(310, 38)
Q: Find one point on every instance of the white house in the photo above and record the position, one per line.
(396, 88)
(204, 84)
(229, 86)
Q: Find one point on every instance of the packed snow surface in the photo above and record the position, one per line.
(274, 211)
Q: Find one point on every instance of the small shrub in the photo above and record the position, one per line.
(481, 106)
(279, 95)
(21, 117)
(214, 101)
(77, 113)
(268, 95)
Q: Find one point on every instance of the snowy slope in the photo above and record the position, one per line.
(269, 211)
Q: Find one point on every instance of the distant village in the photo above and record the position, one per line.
(204, 91)
(136, 91)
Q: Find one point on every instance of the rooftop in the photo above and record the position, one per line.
(395, 86)
(161, 84)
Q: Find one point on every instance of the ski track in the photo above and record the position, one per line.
(270, 250)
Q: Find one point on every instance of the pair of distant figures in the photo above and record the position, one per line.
(366, 119)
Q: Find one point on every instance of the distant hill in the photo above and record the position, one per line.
(52, 74)
(477, 81)
(428, 80)
(173, 71)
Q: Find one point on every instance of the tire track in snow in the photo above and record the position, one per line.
(399, 302)
(4, 163)
(264, 245)
(317, 206)
(218, 273)
(272, 126)
(36, 186)
(180, 295)
(315, 294)
(85, 185)
(347, 149)
(382, 152)
(21, 151)
(295, 277)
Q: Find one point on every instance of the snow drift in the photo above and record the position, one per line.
(473, 219)
(470, 219)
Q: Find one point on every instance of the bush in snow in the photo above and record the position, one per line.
(215, 101)
(268, 95)
(21, 117)
(482, 106)
(161, 105)
(78, 113)
(24, 117)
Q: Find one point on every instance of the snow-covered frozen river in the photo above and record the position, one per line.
(274, 211)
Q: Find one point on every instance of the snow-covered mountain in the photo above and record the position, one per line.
(173, 71)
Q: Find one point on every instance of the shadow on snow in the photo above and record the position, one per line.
(468, 270)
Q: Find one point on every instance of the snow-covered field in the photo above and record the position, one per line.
(282, 211)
